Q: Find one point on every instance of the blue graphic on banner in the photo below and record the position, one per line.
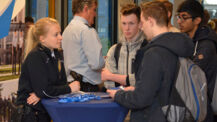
(5, 20)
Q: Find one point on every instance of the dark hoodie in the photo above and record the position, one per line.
(155, 71)
(206, 56)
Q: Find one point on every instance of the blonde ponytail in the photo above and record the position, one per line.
(31, 41)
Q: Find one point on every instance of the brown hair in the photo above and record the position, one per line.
(155, 10)
(168, 5)
(78, 5)
(40, 28)
(206, 17)
(131, 9)
(213, 24)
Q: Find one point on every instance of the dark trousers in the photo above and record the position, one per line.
(87, 87)
(31, 115)
(215, 118)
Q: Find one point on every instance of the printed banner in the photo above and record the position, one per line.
(5, 16)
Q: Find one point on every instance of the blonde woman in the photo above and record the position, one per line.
(43, 72)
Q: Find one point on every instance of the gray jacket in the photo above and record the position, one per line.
(128, 49)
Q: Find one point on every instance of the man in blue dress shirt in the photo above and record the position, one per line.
(82, 47)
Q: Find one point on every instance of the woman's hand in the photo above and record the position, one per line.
(75, 86)
(33, 99)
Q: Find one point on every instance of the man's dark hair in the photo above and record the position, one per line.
(193, 7)
(131, 9)
(29, 19)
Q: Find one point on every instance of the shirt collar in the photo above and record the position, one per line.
(52, 54)
(79, 18)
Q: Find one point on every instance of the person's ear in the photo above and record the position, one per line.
(41, 38)
(197, 20)
(169, 14)
(85, 9)
(151, 21)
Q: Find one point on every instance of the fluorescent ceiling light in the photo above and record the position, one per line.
(210, 2)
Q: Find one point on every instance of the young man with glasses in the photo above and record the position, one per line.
(190, 19)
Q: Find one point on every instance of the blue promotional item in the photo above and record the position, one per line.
(78, 98)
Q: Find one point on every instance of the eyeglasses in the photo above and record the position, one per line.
(183, 17)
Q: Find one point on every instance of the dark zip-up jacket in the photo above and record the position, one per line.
(155, 69)
(40, 74)
(206, 56)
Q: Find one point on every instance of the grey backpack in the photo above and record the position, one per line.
(191, 87)
(214, 98)
(188, 93)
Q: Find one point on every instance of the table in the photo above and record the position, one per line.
(104, 110)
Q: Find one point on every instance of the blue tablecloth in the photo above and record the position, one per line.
(104, 110)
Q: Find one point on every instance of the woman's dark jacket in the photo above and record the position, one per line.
(155, 66)
(40, 74)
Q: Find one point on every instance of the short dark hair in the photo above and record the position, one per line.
(29, 19)
(193, 7)
(78, 5)
(131, 9)
(156, 10)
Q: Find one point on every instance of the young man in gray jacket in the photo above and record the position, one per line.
(120, 70)
(155, 66)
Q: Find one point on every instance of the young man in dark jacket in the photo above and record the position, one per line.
(190, 19)
(155, 66)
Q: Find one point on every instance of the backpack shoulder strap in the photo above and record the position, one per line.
(117, 53)
(116, 56)
(118, 49)
(145, 42)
